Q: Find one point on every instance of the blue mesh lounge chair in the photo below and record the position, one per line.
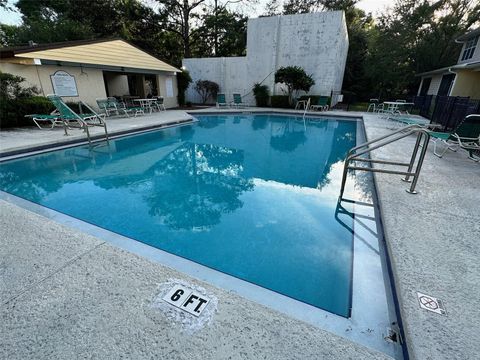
(322, 104)
(73, 120)
(466, 135)
(112, 105)
(46, 121)
(237, 101)
(221, 100)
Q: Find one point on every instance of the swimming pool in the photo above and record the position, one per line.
(252, 196)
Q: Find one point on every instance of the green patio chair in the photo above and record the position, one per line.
(112, 105)
(221, 100)
(237, 101)
(159, 103)
(50, 120)
(466, 135)
(107, 106)
(73, 120)
(322, 104)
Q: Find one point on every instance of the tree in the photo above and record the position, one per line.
(178, 16)
(206, 89)
(202, 24)
(11, 87)
(221, 34)
(272, 8)
(183, 81)
(415, 37)
(46, 21)
(301, 6)
(295, 79)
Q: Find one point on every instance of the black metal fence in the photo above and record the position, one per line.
(447, 111)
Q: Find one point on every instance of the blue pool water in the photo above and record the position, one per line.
(253, 196)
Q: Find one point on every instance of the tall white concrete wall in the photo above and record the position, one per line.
(229, 73)
(316, 42)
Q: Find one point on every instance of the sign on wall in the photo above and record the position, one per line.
(64, 84)
(169, 85)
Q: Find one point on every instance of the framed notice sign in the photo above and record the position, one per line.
(169, 85)
(64, 84)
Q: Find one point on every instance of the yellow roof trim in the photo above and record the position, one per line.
(109, 53)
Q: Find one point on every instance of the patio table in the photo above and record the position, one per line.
(395, 106)
(146, 103)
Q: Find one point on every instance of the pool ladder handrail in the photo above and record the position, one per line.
(362, 149)
(307, 106)
(101, 121)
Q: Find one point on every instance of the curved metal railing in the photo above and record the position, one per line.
(423, 138)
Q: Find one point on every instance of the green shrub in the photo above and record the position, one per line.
(261, 94)
(183, 81)
(207, 89)
(13, 111)
(75, 106)
(280, 101)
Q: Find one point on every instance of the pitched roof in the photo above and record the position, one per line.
(107, 52)
(468, 35)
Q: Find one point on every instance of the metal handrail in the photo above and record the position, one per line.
(307, 106)
(362, 149)
(101, 121)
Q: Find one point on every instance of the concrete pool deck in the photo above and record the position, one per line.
(66, 294)
(21, 139)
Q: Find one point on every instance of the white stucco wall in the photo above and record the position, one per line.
(434, 84)
(169, 101)
(316, 42)
(90, 84)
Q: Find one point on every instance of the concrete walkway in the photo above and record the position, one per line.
(433, 242)
(21, 139)
(68, 295)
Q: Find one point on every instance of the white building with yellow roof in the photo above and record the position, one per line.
(90, 69)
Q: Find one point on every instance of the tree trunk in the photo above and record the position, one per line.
(215, 30)
(186, 30)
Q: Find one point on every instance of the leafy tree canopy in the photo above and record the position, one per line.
(295, 79)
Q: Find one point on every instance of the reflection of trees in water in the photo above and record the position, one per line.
(194, 185)
(259, 122)
(27, 177)
(209, 122)
(289, 135)
(364, 186)
(343, 141)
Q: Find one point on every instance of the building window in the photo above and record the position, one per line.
(425, 86)
(446, 85)
(470, 46)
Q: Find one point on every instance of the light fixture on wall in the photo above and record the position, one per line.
(82, 72)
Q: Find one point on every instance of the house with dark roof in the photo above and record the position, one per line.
(90, 69)
(461, 79)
